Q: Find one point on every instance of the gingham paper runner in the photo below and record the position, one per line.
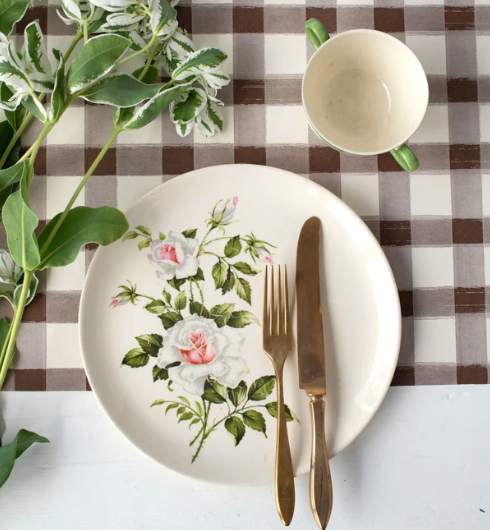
(434, 225)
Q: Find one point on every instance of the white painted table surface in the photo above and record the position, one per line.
(422, 463)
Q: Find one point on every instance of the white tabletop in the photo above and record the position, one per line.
(422, 463)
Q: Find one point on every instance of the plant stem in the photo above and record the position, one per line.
(92, 168)
(4, 348)
(147, 65)
(144, 296)
(78, 36)
(200, 293)
(85, 30)
(201, 246)
(135, 54)
(14, 328)
(203, 436)
(197, 436)
(15, 138)
(35, 148)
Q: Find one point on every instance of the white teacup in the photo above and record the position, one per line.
(364, 92)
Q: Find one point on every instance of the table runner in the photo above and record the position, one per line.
(433, 225)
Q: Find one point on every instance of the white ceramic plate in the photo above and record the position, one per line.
(361, 321)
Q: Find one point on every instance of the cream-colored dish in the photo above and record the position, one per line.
(361, 321)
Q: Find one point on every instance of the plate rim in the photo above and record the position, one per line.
(392, 284)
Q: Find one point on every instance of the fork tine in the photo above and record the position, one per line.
(272, 307)
(280, 319)
(265, 322)
(286, 304)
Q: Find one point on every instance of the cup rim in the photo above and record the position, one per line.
(333, 144)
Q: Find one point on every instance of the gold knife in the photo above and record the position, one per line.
(311, 364)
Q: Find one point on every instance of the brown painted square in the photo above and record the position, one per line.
(34, 13)
(462, 90)
(467, 231)
(472, 375)
(36, 310)
(184, 16)
(324, 160)
(326, 15)
(87, 385)
(92, 246)
(404, 376)
(40, 227)
(30, 380)
(464, 156)
(250, 155)
(395, 233)
(249, 91)
(177, 160)
(107, 165)
(40, 162)
(469, 300)
(248, 19)
(459, 18)
(389, 19)
(387, 163)
(406, 303)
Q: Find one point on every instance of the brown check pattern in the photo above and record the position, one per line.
(434, 225)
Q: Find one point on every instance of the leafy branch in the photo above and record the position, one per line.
(148, 29)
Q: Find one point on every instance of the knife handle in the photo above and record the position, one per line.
(284, 483)
(321, 497)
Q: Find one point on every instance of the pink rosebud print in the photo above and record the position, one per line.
(225, 210)
(264, 255)
(119, 300)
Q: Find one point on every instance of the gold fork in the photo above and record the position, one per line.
(276, 342)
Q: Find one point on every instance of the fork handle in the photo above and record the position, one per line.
(320, 480)
(284, 483)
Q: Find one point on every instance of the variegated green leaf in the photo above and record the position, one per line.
(96, 59)
(112, 5)
(58, 97)
(199, 62)
(180, 44)
(35, 107)
(41, 82)
(120, 90)
(71, 9)
(11, 11)
(161, 12)
(121, 21)
(10, 102)
(36, 54)
(14, 77)
(185, 109)
(153, 107)
(184, 129)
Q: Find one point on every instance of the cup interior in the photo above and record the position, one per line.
(365, 92)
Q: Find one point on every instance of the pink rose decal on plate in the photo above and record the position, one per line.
(200, 349)
(203, 350)
(264, 255)
(175, 257)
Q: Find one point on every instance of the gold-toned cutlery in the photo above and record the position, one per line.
(276, 342)
(311, 364)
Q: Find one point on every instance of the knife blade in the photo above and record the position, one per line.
(312, 365)
(311, 349)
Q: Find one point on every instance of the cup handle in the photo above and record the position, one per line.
(406, 158)
(316, 32)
